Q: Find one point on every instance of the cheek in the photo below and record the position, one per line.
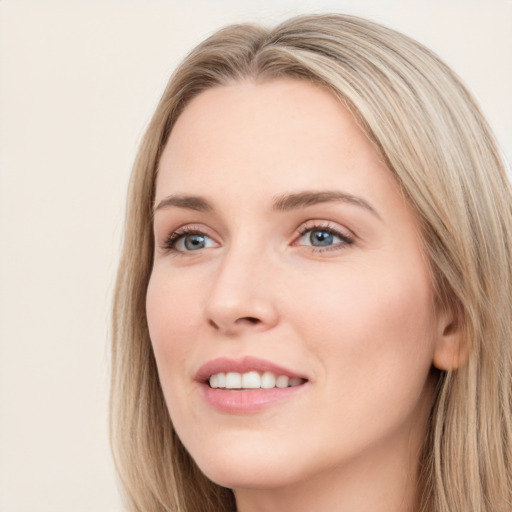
(169, 315)
(171, 321)
(171, 307)
(374, 336)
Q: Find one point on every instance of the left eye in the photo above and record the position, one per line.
(192, 242)
(322, 237)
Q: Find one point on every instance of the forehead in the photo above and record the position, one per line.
(283, 133)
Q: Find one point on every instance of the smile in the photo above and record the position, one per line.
(247, 385)
(253, 380)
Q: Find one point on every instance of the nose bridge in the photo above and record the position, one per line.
(242, 293)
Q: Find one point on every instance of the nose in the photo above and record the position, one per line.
(243, 294)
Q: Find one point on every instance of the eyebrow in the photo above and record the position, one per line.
(285, 202)
(309, 198)
(197, 203)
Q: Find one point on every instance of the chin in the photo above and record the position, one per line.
(250, 468)
(260, 477)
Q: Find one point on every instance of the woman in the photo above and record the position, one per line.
(313, 304)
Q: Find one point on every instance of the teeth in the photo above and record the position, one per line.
(282, 381)
(233, 380)
(214, 381)
(218, 380)
(221, 380)
(268, 380)
(253, 380)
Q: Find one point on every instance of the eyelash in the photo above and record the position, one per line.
(174, 237)
(346, 240)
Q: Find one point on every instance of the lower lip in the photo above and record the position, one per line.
(245, 401)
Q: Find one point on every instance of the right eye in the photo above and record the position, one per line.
(184, 240)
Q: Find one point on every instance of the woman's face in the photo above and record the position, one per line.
(284, 249)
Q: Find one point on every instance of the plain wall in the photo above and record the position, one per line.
(78, 83)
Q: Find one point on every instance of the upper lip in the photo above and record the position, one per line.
(241, 365)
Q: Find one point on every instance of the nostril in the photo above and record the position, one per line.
(249, 319)
(240, 321)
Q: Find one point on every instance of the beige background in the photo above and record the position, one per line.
(78, 82)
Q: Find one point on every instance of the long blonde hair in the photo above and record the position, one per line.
(437, 144)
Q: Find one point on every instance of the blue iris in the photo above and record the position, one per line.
(321, 238)
(194, 242)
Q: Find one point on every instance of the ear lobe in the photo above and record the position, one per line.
(451, 350)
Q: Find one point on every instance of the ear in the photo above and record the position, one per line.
(451, 350)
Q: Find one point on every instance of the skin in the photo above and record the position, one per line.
(357, 319)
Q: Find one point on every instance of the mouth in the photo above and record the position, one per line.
(253, 380)
(247, 385)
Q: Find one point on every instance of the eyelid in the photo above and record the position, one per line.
(346, 236)
(168, 244)
(169, 240)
